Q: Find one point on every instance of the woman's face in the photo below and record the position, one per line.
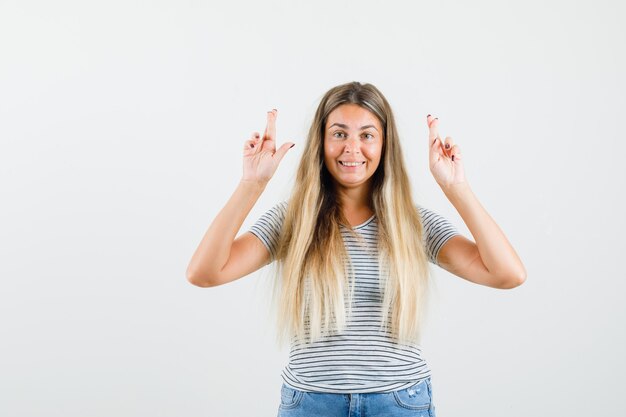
(352, 134)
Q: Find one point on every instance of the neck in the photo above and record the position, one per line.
(354, 199)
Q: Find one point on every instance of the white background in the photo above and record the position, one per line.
(121, 129)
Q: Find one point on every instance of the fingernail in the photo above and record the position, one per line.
(428, 115)
(292, 145)
(256, 135)
(447, 146)
(453, 157)
(436, 118)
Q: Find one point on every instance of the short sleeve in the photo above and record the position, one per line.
(437, 231)
(267, 227)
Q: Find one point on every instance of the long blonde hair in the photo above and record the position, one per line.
(311, 289)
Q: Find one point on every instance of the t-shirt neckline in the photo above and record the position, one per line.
(365, 223)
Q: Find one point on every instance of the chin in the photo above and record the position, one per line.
(351, 184)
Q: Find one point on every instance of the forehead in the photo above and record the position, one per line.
(352, 115)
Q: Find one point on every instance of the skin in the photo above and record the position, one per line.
(220, 258)
(260, 155)
(491, 260)
(353, 133)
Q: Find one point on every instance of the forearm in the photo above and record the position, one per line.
(214, 249)
(496, 252)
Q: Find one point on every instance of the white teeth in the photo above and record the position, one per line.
(351, 164)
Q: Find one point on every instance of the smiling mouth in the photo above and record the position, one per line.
(351, 164)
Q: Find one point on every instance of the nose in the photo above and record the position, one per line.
(352, 146)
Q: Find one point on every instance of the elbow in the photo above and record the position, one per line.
(198, 281)
(512, 281)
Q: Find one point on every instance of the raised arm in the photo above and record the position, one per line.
(220, 258)
(491, 261)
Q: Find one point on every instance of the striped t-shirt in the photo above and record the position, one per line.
(362, 358)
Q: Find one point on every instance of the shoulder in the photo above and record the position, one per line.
(433, 221)
(437, 231)
(429, 217)
(277, 210)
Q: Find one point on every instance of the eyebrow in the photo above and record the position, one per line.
(346, 126)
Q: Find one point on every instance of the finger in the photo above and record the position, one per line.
(280, 153)
(456, 153)
(255, 138)
(436, 152)
(252, 145)
(249, 147)
(436, 145)
(270, 129)
(447, 145)
(433, 128)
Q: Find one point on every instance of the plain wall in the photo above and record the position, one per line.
(121, 130)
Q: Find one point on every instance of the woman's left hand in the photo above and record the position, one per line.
(445, 159)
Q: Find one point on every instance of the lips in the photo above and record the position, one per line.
(352, 163)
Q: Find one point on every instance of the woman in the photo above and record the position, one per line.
(353, 252)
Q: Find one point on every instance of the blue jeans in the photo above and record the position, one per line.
(415, 401)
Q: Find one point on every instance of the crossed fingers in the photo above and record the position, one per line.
(435, 143)
(256, 141)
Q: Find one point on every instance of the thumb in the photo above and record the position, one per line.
(280, 153)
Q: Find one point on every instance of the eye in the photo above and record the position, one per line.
(338, 133)
(368, 134)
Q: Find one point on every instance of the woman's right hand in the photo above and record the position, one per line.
(260, 157)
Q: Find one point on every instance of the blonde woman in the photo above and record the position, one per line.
(352, 252)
